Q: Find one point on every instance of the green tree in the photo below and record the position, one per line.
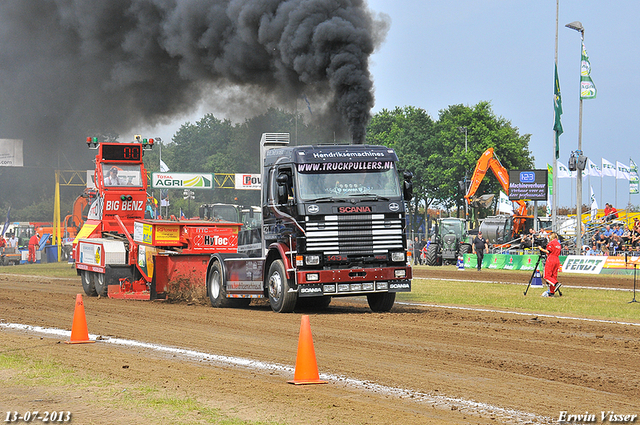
(435, 151)
(449, 162)
(219, 146)
(410, 132)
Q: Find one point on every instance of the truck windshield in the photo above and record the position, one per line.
(121, 175)
(343, 185)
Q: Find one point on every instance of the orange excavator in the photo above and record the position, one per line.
(73, 222)
(487, 161)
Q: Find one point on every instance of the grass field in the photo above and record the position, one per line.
(592, 303)
(61, 269)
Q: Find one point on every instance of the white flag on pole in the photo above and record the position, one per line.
(163, 167)
(593, 169)
(504, 204)
(594, 205)
(608, 169)
(564, 173)
(622, 171)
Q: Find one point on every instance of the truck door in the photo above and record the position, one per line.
(285, 189)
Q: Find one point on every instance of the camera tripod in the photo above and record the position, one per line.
(535, 268)
(634, 285)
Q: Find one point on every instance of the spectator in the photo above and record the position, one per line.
(416, 251)
(595, 240)
(635, 233)
(626, 235)
(526, 240)
(608, 233)
(13, 241)
(614, 244)
(607, 211)
(479, 245)
(423, 252)
(613, 212)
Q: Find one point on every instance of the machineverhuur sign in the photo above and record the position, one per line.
(528, 184)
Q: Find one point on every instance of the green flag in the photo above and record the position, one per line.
(587, 88)
(633, 178)
(557, 106)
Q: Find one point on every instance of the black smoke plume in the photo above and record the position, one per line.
(69, 67)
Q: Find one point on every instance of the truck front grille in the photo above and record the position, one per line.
(354, 234)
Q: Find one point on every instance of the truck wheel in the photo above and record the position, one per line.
(432, 255)
(101, 287)
(464, 249)
(382, 302)
(88, 283)
(281, 300)
(218, 293)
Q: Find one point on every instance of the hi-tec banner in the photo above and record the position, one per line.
(528, 184)
(345, 167)
(11, 153)
(182, 180)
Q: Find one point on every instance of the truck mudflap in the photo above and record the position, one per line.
(353, 281)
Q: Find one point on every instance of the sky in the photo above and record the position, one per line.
(442, 53)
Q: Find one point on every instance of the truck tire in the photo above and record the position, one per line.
(464, 249)
(88, 283)
(217, 291)
(101, 287)
(281, 300)
(381, 302)
(432, 255)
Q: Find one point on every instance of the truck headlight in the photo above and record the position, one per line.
(313, 260)
(397, 256)
(400, 273)
(313, 277)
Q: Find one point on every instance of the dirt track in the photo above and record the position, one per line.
(456, 366)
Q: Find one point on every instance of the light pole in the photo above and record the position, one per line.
(578, 27)
(464, 130)
(466, 212)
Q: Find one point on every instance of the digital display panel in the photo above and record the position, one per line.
(528, 184)
(121, 152)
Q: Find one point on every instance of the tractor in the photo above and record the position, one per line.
(450, 241)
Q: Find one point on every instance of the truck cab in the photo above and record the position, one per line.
(334, 217)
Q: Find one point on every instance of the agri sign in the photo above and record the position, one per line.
(182, 180)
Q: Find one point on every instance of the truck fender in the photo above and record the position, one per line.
(220, 257)
(282, 253)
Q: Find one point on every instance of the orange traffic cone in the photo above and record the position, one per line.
(79, 330)
(306, 365)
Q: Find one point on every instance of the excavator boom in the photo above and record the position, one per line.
(488, 160)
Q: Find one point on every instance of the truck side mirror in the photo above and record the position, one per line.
(408, 186)
(282, 181)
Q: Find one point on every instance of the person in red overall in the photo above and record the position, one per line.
(552, 264)
(33, 247)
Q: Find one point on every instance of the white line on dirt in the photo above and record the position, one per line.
(517, 313)
(504, 415)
